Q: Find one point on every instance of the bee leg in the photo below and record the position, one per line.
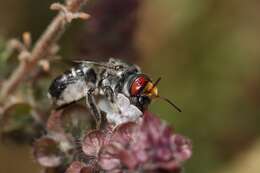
(91, 103)
(110, 94)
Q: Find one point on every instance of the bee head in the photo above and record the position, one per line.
(142, 87)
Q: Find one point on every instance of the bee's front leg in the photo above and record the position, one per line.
(111, 96)
(109, 93)
(91, 103)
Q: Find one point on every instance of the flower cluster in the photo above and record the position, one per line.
(148, 145)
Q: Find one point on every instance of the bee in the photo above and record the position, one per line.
(89, 79)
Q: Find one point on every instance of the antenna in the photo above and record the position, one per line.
(156, 82)
(170, 102)
(163, 98)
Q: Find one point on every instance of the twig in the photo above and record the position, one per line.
(29, 60)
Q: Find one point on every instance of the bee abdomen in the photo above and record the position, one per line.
(72, 85)
(57, 86)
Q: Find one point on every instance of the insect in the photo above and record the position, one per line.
(89, 79)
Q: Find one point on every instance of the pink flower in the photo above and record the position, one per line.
(149, 145)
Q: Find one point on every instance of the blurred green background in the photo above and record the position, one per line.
(206, 51)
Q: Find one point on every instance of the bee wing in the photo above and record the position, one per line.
(98, 64)
(84, 61)
(88, 62)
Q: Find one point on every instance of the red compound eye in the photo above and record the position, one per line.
(138, 85)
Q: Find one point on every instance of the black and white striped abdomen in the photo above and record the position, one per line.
(72, 85)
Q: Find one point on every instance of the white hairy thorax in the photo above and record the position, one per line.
(125, 112)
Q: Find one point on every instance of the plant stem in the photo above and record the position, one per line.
(40, 51)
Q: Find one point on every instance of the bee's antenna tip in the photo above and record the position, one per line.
(171, 103)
